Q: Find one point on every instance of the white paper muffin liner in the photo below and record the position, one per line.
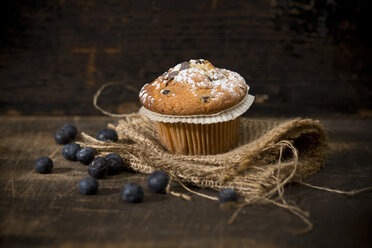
(225, 115)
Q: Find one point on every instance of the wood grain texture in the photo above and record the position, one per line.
(48, 211)
(299, 57)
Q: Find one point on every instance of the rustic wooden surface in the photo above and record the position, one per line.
(306, 58)
(299, 57)
(47, 210)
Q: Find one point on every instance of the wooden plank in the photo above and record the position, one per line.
(299, 58)
(47, 210)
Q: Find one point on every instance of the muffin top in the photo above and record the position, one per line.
(195, 87)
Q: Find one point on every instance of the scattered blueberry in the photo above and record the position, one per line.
(107, 134)
(113, 167)
(66, 134)
(62, 137)
(69, 151)
(70, 129)
(132, 192)
(116, 157)
(43, 165)
(85, 155)
(98, 167)
(157, 181)
(227, 195)
(115, 164)
(88, 186)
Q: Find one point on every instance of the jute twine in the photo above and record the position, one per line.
(270, 155)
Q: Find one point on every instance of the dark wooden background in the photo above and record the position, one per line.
(300, 57)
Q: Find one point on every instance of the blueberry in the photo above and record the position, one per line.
(98, 167)
(113, 167)
(88, 186)
(107, 134)
(62, 137)
(43, 165)
(116, 157)
(85, 155)
(70, 129)
(132, 192)
(166, 92)
(69, 151)
(157, 181)
(115, 164)
(227, 195)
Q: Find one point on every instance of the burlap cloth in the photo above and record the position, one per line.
(270, 154)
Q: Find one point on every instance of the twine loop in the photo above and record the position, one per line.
(258, 169)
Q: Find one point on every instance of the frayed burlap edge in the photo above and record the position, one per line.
(270, 155)
(252, 168)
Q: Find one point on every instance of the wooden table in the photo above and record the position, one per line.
(48, 211)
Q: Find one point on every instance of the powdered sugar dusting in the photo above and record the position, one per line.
(199, 74)
(209, 77)
(145, 97)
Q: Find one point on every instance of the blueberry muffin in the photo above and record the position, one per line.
(196, 107)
